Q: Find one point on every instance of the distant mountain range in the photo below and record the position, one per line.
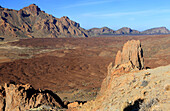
(126, 31)
(32, 22)
(159, 30)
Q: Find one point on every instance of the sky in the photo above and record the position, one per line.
(115, 14)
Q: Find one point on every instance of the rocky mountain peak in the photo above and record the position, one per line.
(100, 31)
(105, 27)
(126, 30)
(64, 17)
(34, 23)
(157, 30)
(33, 8)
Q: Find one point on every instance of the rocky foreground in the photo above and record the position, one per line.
(24, 97)
(146, 90)
(128, 88)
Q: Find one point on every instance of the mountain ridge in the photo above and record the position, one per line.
(156, 30)
(32, 22)
(128, 31)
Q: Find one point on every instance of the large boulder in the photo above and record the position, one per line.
(24, 97)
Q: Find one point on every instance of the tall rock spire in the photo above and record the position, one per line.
(132, 52)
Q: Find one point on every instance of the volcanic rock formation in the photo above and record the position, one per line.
(24, 97)
(131, 58)
(131, 53)
(32, 22)
(146, 90)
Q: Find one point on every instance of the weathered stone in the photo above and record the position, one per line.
(132, 52)
(118, 58)
(72, 105)
(24, 97)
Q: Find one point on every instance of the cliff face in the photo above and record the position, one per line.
(32, 22)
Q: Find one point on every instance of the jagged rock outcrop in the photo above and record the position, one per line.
(24, 97)
(132, 53)
(135, 91)
(130, 59)
(158, 30)
(100, 31)
(121, 90)
(32, 22)
(126, 30)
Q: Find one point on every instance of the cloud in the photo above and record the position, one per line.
(119, 14)
(88, 3)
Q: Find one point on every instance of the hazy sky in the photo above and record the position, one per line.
(136, 14)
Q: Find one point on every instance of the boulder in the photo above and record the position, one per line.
(24, 97)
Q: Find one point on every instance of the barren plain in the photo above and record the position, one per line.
(74, 68)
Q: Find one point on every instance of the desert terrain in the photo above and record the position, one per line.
(73, 68)
(54, 63)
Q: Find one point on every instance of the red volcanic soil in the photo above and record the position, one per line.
(56, 73)
(77, 63)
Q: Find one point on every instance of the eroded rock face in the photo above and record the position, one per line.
(32, 22)
(23, 97)
(132, 52)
